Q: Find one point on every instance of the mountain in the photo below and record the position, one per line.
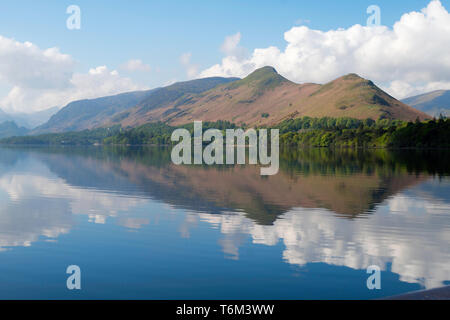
(11, 129)
(100, 112)
(32, 120)
(262, 98)
(89, 113)
(180, 93)
(4, 116)
(265, 98)
(433, 103)
(28, 120)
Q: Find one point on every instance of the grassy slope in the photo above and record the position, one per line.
(262, 98)
(111, 110)
(266, 98)
(89, 113)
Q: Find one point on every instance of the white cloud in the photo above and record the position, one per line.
(410, 58)
(185, 58)
(191, 69)
(135, 65)
(99, 81)
(40, 79)
(26, 65)
(230, 46)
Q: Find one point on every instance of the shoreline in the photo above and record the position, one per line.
(442, 293)
(168, 145)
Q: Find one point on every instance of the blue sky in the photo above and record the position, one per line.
(159, 32)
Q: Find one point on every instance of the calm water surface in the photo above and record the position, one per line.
(140, 227)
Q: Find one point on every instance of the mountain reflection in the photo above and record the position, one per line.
(347, 208)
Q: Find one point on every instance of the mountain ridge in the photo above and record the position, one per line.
(91, 113)
(85, 113)
(11, 129)
(264, 97)
(28, 120)
(435, 102)
(275, 99)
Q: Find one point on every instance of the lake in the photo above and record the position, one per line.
(140, 227)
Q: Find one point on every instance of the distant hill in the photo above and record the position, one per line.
(34, 119)
(95, 113)
(10, 129)
(262, 98)
(4, 116)
(28, 120)
(266, 98)
(433, 103)
(87, 114)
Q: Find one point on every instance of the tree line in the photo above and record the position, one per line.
(294, 133)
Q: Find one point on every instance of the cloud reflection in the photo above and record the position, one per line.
(407, 232)
(25, 217)
(393, 236)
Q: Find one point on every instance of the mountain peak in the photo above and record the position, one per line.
(263, 73)
(263, 78)
(264, 70)
(352, 77)
(354, 80)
